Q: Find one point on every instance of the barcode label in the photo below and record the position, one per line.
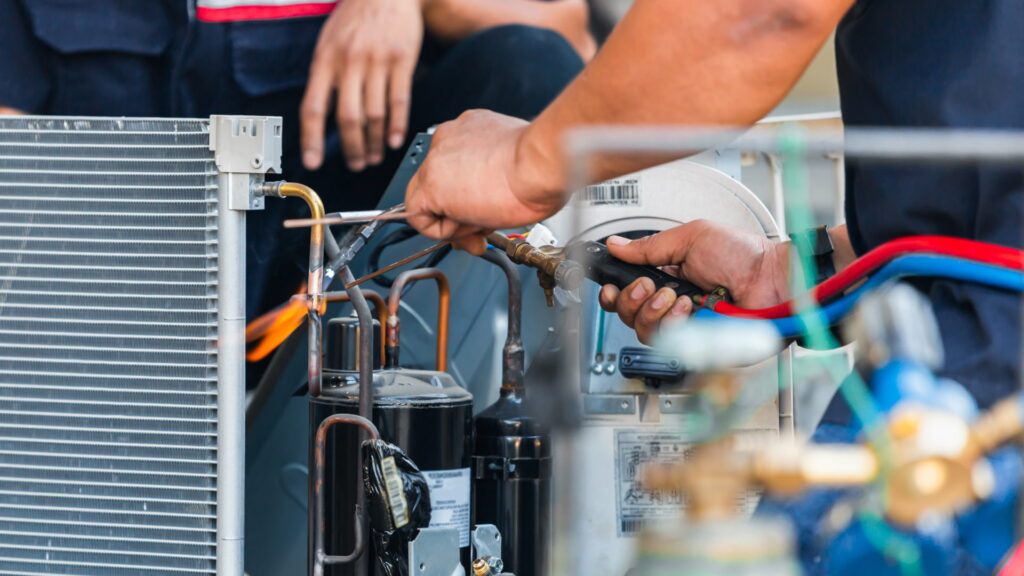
(396, 495)
(612, 193)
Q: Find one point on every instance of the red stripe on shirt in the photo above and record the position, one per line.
(237, 13)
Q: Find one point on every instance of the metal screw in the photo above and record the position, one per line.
(257, 161)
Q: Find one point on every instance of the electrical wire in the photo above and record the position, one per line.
(915, 265)
(863, 266)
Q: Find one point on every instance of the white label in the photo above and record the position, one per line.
(396, 496)
(639, 508)
(620, 192)
(449, 501)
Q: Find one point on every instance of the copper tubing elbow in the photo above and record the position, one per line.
(316, 236)
(443, 304)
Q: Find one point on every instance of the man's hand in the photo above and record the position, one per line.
(752, 268)
(480, 175)
(5, 111)
(366, 56)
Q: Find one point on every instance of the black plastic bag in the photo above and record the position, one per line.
(398, 503)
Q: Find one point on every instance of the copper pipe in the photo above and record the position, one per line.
(378, 304)
(321, 557)
(398, 264)
(512, 354)
(1000, 424)
(336, 218)
(315, 282)
(443, 303)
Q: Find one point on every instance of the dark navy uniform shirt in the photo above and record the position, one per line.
(942, 63)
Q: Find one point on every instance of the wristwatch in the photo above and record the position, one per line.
(815, 242)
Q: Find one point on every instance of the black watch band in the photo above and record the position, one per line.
(815, 242)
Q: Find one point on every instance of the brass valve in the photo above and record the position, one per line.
(553, 269)
(935, 463)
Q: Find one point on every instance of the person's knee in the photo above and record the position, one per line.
(527, 63)
(522, 49)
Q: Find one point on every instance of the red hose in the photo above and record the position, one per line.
(868, 263)
(1015, 566)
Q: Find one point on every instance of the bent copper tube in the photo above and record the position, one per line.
(443, 304)
(512, 355)
(321, 557)
(315, 282)
(378, 304)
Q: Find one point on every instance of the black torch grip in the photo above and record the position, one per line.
(603, 268)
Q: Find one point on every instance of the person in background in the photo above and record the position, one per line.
(353, 80)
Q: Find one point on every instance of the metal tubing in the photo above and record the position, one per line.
(315, 281)
(1001, 424)
(512, 355)
(365, 345)
(443, 303)
(365, 383)
(379, 305)
(231, 378)
(321, 557)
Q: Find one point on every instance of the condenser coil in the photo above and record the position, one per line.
(121, 310)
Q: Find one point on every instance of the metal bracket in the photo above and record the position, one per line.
(435, 552)
(486, 541)
(609, 404)
(246, 148)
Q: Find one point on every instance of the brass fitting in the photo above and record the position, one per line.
(936, 464)
(480, 568)
(552, 267)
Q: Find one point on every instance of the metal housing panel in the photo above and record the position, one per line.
(108, 347)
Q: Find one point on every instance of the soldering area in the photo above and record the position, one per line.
(511, 288)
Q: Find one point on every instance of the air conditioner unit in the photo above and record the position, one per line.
(122, 313)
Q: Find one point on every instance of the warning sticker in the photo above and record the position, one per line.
(449, 501)
(639, 508)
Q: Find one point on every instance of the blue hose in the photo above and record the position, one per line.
(916, 265)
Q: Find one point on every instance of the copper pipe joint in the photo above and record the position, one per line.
(443, 304)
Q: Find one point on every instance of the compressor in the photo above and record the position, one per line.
(424, 412)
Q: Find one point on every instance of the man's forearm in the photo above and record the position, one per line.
(683, 62)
